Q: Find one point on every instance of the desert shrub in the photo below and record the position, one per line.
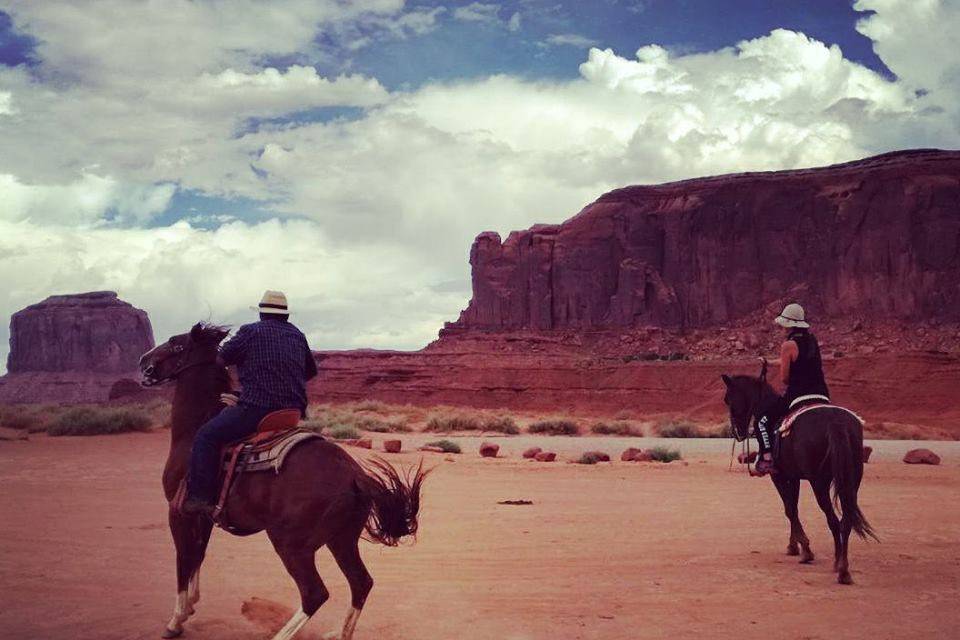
(343, 432)
(372, 405)
(89, 421)
(555, 427)
(615, 429)
(443, 423)
(678, 430)
(448, 446)
(720, 431)
(590, 457)
(17, 417)
(664, 454)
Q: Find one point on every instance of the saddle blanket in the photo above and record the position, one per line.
(266, 451)
(787, 423)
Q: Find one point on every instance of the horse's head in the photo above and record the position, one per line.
(742, 398)
(165, 362)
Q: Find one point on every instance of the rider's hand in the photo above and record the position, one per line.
(229, 399)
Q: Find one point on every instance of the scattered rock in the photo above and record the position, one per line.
(392, 446)
(599, 456)
(747, 458)
(630, 454)
(364, 443)
(532, 452)
(866, 453)
(643, 456)
(921, 456)
(489, 450)
(545, 456)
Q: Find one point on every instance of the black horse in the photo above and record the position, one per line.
(825, 447)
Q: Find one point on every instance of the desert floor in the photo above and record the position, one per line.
(620, 550)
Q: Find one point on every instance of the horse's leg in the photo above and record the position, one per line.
(193, 588)
(300, 564)
(189, 537)
(789, 490)
(821, 488)
(347, 554)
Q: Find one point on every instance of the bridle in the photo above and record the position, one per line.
(182, 365)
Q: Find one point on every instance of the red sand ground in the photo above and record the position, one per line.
(610, 551)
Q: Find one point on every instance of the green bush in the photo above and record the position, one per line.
(444, 423)
(679, 430)
(615, 429)
(343, 432)
(663, 454)
(90, 421)
(590, 457)
(19, 417)
(448, 446)
(555, 427)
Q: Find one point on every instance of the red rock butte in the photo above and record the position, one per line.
(642, 299)
(73, 348)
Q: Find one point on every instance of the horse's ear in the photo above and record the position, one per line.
(196, 332)
(726, 380)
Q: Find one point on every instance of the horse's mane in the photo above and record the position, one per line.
(209, 332)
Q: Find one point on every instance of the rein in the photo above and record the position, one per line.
(180, 368)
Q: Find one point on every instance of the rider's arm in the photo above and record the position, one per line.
(788, 353)
(311, 366)
(233, 350)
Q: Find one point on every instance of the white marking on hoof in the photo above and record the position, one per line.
(194, 588)
(349, 624)
(180, 614)
(294, 624)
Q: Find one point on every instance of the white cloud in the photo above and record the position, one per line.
(514, 24)
(478, 12)
(570, 40)
(393, 199)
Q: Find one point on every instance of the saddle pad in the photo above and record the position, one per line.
(787, 423)
(266, 454)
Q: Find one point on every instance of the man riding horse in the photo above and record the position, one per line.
(801, 372)
(274, 363)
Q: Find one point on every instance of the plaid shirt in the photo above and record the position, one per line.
(274, 364)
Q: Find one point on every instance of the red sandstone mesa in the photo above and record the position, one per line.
(921, 456)
(489, 450)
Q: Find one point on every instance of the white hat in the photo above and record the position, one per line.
(273, 302)
(792, 316)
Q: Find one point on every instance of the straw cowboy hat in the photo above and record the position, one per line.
(792, 316)
(273, 302)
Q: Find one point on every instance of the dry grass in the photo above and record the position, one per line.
(342, 432)
(590, 457)
(90, 421)
(555, 427)
(448, 446)
(665, 454)
(459, 421)
(620, 428)
(900, 431)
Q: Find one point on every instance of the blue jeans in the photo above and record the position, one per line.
(230, 425)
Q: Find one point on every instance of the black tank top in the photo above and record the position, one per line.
(806, 372)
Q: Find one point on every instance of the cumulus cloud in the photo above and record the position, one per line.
(569, 40)
(376, 213)
(478, 12)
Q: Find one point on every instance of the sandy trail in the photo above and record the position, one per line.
(610, 551)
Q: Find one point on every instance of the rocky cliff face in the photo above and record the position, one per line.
(74, 348)
(877, 238)
(85, 332)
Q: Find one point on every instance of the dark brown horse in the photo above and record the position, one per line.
(322, 496)
(825, 447)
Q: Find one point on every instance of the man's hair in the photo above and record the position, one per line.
(274, 316)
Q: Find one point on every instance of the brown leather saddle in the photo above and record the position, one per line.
(276, 436)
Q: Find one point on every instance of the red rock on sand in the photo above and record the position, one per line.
(866, 453)
(921, 456)
(630, 454)
(532, 452)
(747, 458)
(489, 450)
(643, 456)
(392, 446)
(545, 456)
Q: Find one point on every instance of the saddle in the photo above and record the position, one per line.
(804, 404)
(276, 436)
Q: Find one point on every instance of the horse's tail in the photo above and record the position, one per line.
(394, 498)
(846, 462)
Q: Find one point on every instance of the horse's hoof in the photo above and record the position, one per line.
(807, 558)
(792, 550)
(172, 633)
(844, 578)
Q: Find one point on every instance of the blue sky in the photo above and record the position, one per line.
(190, 154)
